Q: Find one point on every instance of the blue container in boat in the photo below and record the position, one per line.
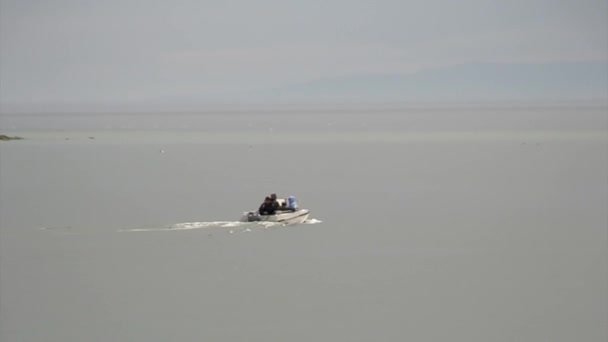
(292, 202)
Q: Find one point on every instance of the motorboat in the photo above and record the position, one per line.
(283, 217)
(288, 213)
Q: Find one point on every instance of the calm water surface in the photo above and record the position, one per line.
(430, 224)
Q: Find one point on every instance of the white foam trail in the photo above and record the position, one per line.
(214, 224)
(199, 225)
(232, 224)
(187, 226)
(268, 224)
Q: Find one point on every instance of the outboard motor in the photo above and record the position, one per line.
(292, 204)
(253, 217)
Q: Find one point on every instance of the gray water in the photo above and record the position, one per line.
(430, 224)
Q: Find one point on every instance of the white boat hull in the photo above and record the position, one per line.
(283, 217)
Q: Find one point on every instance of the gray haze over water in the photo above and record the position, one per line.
(65, 54)
(460, 224)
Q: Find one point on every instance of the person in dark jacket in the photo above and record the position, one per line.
(274, 203)
(267, 207)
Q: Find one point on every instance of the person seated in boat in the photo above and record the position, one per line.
(283, 206)
(287, 204)
(267, 208)
(274, 202)
(293, 205)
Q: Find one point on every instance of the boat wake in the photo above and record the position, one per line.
(235, 226)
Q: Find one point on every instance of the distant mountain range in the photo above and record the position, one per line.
(472, 81)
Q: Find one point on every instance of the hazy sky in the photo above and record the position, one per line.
(81, 51)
